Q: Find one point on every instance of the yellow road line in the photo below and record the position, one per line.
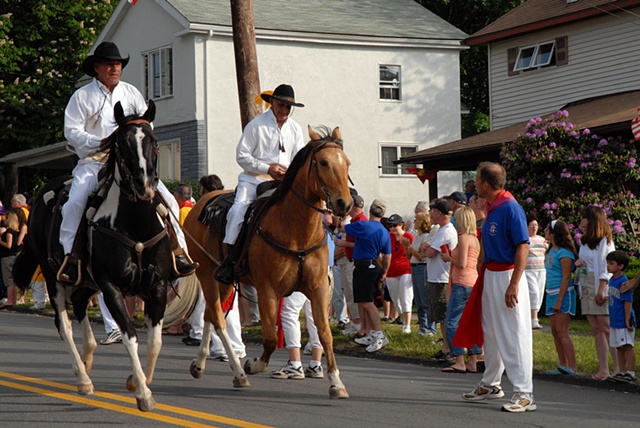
(120, 398)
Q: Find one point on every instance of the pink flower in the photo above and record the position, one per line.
(603, 143)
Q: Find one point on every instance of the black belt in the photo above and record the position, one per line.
(369, 261)
(419, 264)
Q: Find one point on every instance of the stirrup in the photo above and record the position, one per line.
(65, 275)
(225, 273)
(183, 265)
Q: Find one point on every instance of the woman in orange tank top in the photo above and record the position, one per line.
(464, 260)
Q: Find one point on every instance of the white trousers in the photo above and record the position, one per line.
(401, 292)
(291, 308)
(507, 333)
(346, 280)
(536, 279)
(85, 182)
(245, 194)
(234, 330)
(109, 322)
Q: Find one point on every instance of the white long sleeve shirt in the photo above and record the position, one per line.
(89, 117)
(261, 140)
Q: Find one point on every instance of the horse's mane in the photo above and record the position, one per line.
(299, 160)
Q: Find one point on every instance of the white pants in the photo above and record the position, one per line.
(39, 291)
(234, 330)
(346, 280)
(109, 322)
(536, 279)
(245, 194)
(291, 308)
(507, 333)
(85, 182)
(401, 292)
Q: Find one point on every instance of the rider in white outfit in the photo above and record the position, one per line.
(265, 150)
(89, 118)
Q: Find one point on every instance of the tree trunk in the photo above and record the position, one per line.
(10, 183)
(244, 45)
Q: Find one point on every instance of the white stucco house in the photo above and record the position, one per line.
(385, 71)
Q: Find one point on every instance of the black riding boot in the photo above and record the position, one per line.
(185, 267)
(225, 273)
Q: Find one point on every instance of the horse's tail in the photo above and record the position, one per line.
(24, 267)
(181, 308)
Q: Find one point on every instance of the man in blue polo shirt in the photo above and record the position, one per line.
(506, 316)
(372, 239)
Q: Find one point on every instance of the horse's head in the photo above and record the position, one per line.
(329, 170)
(136, 153)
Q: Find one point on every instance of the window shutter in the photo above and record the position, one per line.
(512, 56)
(562, 51)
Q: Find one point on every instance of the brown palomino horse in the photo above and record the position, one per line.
(288, 253)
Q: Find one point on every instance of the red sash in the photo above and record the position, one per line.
(469, 331)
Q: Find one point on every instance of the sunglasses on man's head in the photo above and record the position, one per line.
(393, 225)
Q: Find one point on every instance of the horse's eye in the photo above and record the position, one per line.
(324, 163)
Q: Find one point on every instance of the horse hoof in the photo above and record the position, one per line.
(131, 384)
(338, 392)
(196, 371)
(146, 405)
(249, 365)
(241, 382)
(86, 389)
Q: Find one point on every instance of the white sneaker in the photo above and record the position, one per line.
(535, 324)
(521, 402)
(221, 357)
(314, 372)
(351, 329)
(484, 392)
(288, 372)
(379, 341)
(365, 340)
(406, 329)
(114, 337)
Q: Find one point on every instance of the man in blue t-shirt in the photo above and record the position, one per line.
(506, 316)
(372, 240)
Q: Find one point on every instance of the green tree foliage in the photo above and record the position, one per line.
(471, 16)
(556, 169)
(42, 44)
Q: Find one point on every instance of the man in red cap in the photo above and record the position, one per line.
(265, 150)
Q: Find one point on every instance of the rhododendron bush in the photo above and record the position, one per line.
(555, 169)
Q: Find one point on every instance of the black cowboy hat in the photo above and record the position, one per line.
(104, 51)
(283, 93)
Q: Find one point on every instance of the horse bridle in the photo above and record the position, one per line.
(321, 145)
(125, 174)
(302, 254)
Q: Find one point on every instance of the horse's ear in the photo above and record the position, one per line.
(118, 114)
(150, 114)
(336, 135)
(312, 134)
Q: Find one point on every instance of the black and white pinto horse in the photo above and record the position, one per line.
(129, 253)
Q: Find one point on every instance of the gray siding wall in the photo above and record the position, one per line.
(193, 150)
(603, 59)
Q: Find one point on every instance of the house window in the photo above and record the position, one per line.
(535, 56)
(544, 54)
(390, 82)
(389, 154)
(169, 160)
(158, 73)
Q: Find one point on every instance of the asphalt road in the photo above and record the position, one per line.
(37, 389)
